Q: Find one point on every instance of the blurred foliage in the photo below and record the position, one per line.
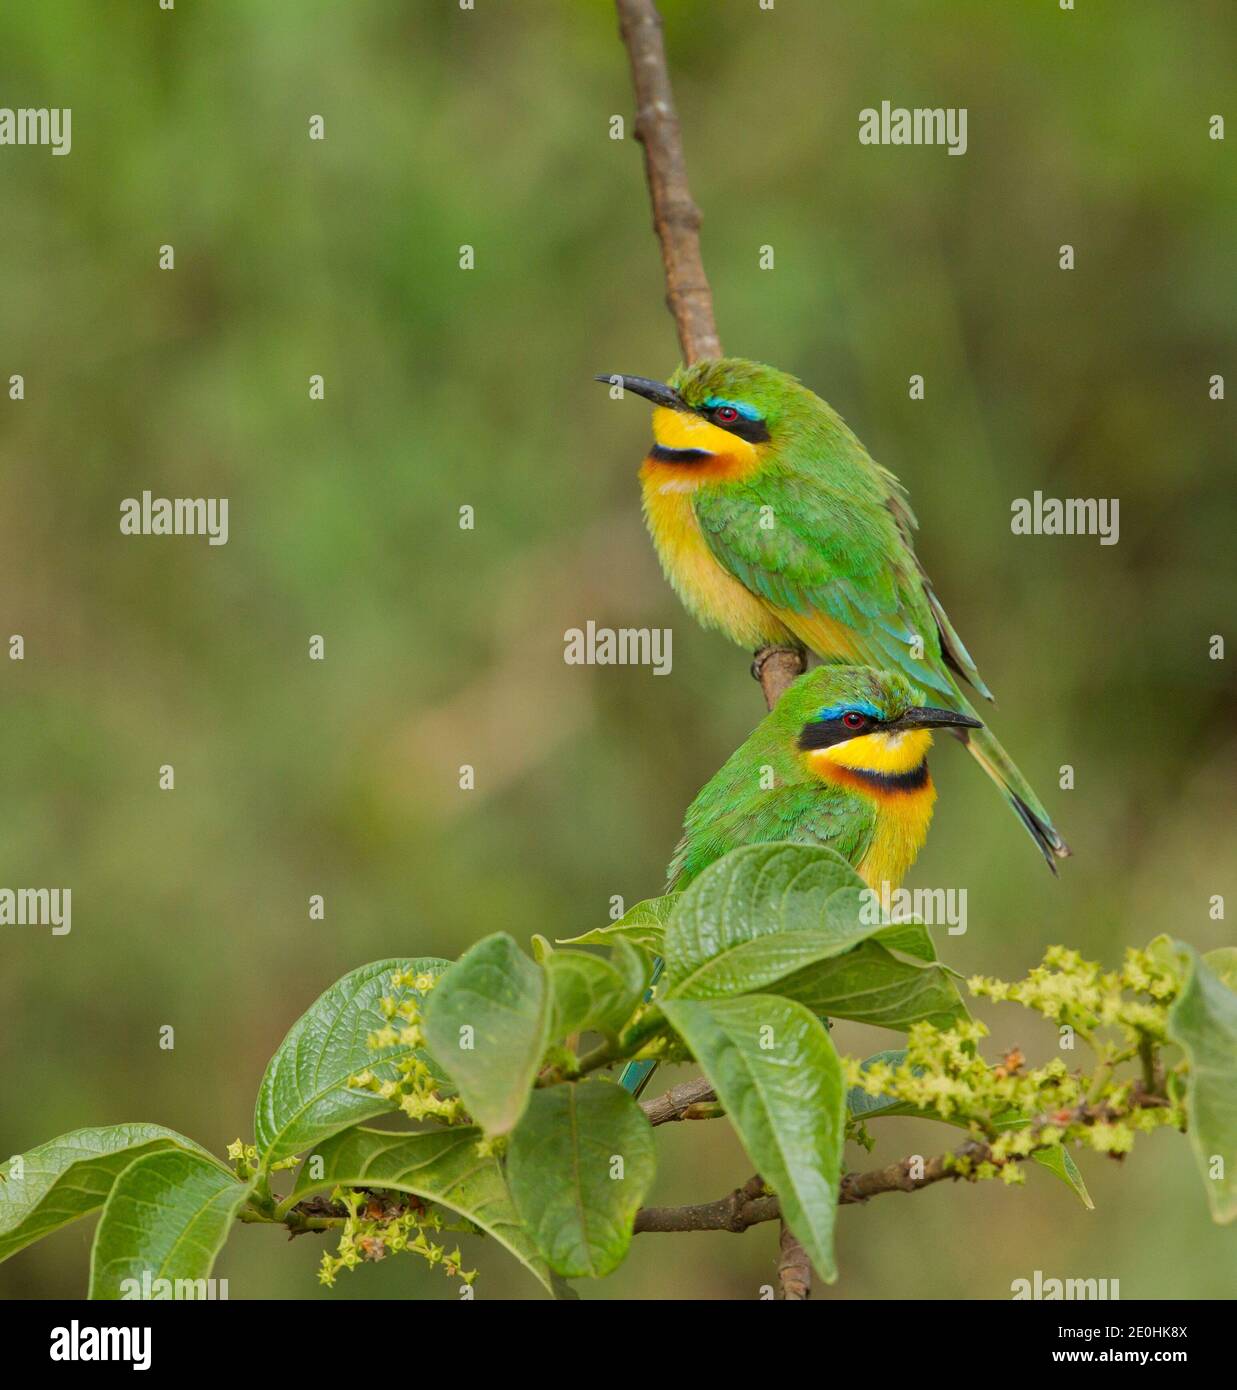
(444, 646)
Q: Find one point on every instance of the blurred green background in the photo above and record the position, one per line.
(444, 647)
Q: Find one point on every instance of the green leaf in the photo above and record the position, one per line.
(760, 914)
(911, 938)
(488, 1022)
(561, 1168)
(1163, 949)
(1203, 1021)
(774, 1069)
(865, 1107)
(871, 985)
(167, 1217)
(588, 992)
(71, 1176)
(1060, 1163)
(304, 1095)
(642, 926)
(1222, 962)
(440, 1165)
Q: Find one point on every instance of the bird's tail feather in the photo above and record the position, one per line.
(997, 763)
(635, 1076)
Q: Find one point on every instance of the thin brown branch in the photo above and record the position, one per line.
(677, 1101)
(676, 218)
(906, 1176)
(730, 1213)
(747, 1206)
(794, 1269)
(740, 1209)
(775, 668)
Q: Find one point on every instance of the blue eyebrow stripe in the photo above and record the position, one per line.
(748, 412)
(837, 711)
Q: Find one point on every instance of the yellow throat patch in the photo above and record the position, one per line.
(678, 429)
(903, 813)
(710, 593)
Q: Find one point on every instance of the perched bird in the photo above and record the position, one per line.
(841, 760)
(773, 524)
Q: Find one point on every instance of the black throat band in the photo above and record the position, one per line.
(662, 454)
(910, 781)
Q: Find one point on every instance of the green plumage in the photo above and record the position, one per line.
(823, 535)
(765, 792)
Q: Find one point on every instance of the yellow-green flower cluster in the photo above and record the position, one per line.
(1015, 1110)
(1075, 992)
(945, 1075)
(409, 1082)
(244, 1158)
(378, 1226)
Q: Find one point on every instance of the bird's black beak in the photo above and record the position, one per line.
(656, 391)
(919, 717)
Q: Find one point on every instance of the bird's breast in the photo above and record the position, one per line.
(710, 593)
(903, 800)
(902, 820)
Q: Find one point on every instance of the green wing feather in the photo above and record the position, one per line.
(843, 552)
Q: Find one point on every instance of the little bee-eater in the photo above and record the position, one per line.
(841, 760)
(773, 524)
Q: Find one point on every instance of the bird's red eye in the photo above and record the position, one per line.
(727, 414)
(853, 720)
